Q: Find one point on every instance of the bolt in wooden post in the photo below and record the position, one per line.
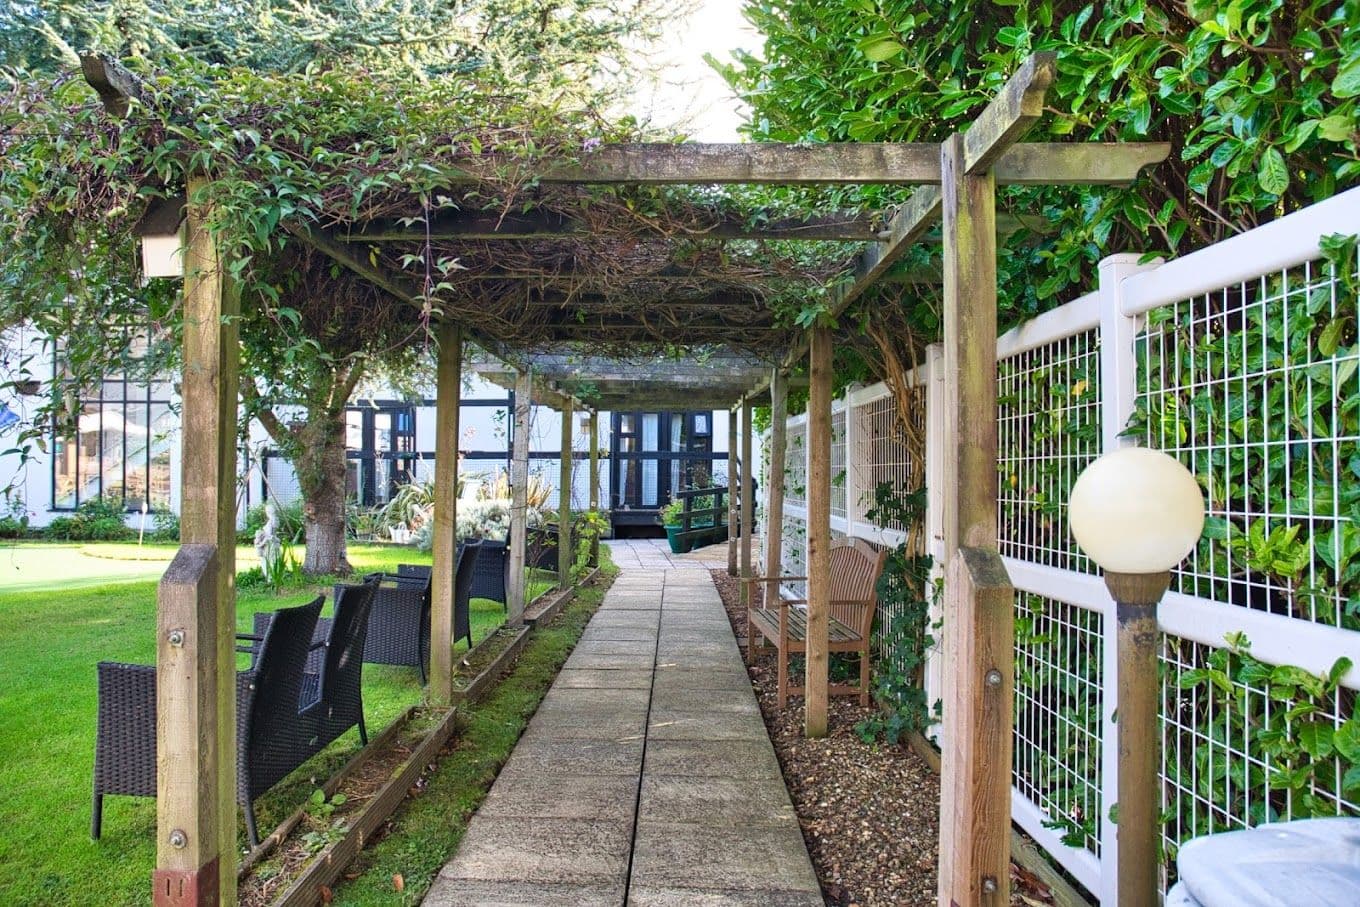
(448, 394)
(196, 600)
(979, 618)
(748, 502)
(1138, 686)
(595, 481)
(818, 533)
(565, 556)
(733, 501)
(516, 590)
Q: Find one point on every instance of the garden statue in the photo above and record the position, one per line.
(267, 545)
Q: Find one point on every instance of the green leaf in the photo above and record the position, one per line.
(1316, 738)
(879, 49)
(1350, 782)
(1272, 175)
(1347, 81)
(1336, 128)
(1330, 338)
(1347, 739)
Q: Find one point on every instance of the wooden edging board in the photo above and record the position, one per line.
(331, 785)
(482, 683)
(558, 600)
(1023, 850)
(326, 866)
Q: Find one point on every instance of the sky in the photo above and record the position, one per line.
(688, 94)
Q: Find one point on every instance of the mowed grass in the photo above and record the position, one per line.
(51, 637)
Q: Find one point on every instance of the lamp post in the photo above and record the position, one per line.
(1137, 513)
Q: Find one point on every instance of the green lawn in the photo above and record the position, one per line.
(67, 611)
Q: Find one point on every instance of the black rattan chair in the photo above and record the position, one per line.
(464, 584)
(272, 738)
(399, 621)
(337, 688)
(333, 680)
(493, 572)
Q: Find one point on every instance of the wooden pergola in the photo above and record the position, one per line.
(956, 179)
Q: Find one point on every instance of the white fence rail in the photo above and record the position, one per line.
(1227, 359)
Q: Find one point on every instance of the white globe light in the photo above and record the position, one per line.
(1136, 510)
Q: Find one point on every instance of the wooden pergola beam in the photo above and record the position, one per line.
(492, 226)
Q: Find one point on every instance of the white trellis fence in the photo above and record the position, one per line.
(1241, 360)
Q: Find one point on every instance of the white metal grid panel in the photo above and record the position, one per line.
(1048, 422)
(838, 463)
(890, 460)
(1253, 387)
(1219, 719)
(1058, 714)
(794, 541)
(795, 465)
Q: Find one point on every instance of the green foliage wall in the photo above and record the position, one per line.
(1259, 99)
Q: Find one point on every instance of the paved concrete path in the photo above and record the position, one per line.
(646, 777)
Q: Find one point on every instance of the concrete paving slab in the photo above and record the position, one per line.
(540, 850)
(555, 795)
(644, 896)
(538, 755)
(586, 699)
(622, 618)
(716, 801)
(688, 679)
(586, 661)
(712, 758)
(596, 724)
(586, 678)
(613, 646)
(701, 700)
(641, 634)
(473, 893)
(700, 856)
(674, 724)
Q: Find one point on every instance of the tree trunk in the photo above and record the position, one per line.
(320, 466)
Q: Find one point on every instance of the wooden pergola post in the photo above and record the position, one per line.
(818, 533)
(774, 488)
(732, 491)
(448, 397)
(747, 497)
(516, 590)
(565, 555)
(979, 616)
(196, 599)
(595, 481)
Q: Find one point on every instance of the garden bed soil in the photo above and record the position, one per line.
(322, 826)
(869, 812)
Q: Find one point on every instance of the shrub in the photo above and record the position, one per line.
(94, 521)
(166, 525)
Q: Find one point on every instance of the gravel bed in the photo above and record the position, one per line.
(869, 812)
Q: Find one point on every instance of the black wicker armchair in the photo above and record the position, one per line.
(399, 621)
(466, 569)
(493, 572)
(272, 736)
(334, 675)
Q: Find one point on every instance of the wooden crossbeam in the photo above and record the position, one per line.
(1015, 108)
(722, 299)
(488, 225)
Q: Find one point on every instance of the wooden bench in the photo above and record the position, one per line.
(855, 568)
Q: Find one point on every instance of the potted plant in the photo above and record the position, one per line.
(671, 518)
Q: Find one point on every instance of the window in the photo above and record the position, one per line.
(120, 449)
